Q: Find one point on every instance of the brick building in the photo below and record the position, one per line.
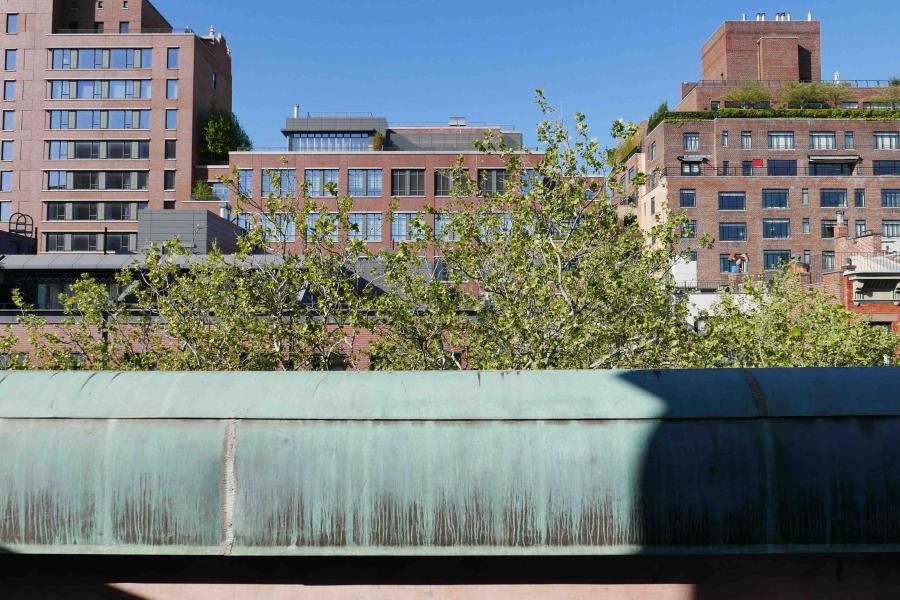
(101, 110)
(374, 163)
(767, 185)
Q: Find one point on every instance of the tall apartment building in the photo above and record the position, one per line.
(102, 103)
(373, 162)
(768, 190)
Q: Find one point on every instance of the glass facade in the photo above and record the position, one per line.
(99, 119)
(329, 142)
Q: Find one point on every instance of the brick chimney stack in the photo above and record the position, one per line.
(841, 229)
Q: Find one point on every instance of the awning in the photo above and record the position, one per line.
(836, 158)
(694, 158)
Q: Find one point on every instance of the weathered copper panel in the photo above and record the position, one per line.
(451, 463)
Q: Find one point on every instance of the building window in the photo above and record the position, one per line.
(890, 229)
(733, 232)
(833, 198)
(807, 257)
(859, 198)
(690, 169)
(746, 140)
(830, 169)
(446, 181)
(691, 142)
(775, 199)
(408, 182)
(732, 201)
(96, 89)
(6, 178)
(123, 27)
(99, 119)
(822, 140)
(365, 227)
(283, 229)
(5, 211)
(725, 138)
(279, 182)
(887, 140)
(886, 167)
(169, 180)
(805, 197)
(782, 168)
(729, 263)
(9, 60)
(775, 259)
(890, 198)
(9, 120)
(776, 229)
(12, 23)
(726, 168)
(101, 58)
(320, 182)
(171, 149)
(747, 168)
(849, 141)
(403, 228)
(443, 228)
(311, 221)
(493, 181)
(245, 182)
(860, 227)
(653, 151)
(806, 225)
(781, 140)
(9, 90)
(215, 80)
(688, 198)
(828, 261)
(171, 118)
(172, 58)
(220, 190)
(714, 105)
(827, 228)
(329, 142)
(6, 150)
(172, 89)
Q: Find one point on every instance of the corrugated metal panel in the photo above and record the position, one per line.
(451, 463)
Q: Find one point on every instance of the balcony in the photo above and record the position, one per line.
(740, 171)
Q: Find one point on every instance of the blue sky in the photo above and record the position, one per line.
(420, 61)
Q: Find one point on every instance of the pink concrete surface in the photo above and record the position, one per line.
(156, 591)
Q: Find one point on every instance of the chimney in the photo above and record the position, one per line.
(296, 111)
(841, 230)
(809, 16)
(743, 16)
(212, 32)
(787, 16)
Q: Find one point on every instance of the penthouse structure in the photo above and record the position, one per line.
(372, 161)
(768, 175)
(101, 109)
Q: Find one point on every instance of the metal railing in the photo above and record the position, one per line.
(145, 30)
(777, 83)
(740, 171)
(862, 262)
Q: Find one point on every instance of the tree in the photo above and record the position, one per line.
(836, 93)
(890, 95)
(797, 94)
(537, 272)
(782, 323)
(222, 133)
(749, 94)
(540, 274)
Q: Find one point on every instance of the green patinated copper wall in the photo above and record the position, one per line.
(450, 463)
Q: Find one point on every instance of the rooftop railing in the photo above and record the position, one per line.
(740, 171)
(777, 83)
(145, 30)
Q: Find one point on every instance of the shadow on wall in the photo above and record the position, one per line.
(770, 465)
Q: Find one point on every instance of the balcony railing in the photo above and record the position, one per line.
(777, 83)
(146, 30)
(739, 171)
